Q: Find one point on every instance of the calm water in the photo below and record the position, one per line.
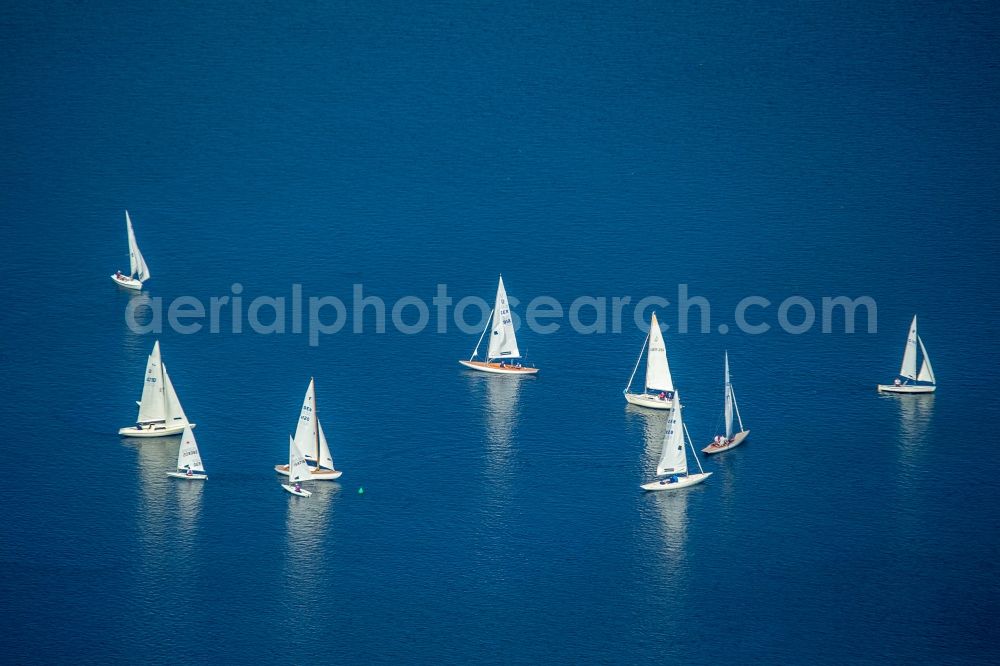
(775, 150)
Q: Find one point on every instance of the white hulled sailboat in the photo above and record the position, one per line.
(672, 470)
(659, 387)
(311, 441)
(502, 353)
(909, 380)
(732, 438)
(138, 270)
(160, 411)
(189, 465)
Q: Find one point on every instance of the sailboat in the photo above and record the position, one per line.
(731, 439)
(299, 470)
(909, 380)
(138, 270)
(311, 440)
(502, 352)
(659, 387)
(672, 470)
(160, 411)
(189, 465)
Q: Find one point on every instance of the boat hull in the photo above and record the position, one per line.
(189, 477)
(498, 369)
(127, 282)
(646, 400)
(320, 475)
(906, 388)
(682, 482)
(301, 492)
(154, 431)
(731, 444)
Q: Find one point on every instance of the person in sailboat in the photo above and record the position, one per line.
(187, 470)
(662, 396)
(897, 382)
(298, 487)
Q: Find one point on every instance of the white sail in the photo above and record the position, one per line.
(188, 456)
(909, 367)
(174, 413)
(673, 460)
(152, 406)
(305, 430)
(657, 369)
(503, 342)
(298, 468)
(926, 371)
(137, 264)
(729, 402)
(325, 458)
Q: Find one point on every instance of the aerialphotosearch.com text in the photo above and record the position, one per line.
(319, 316)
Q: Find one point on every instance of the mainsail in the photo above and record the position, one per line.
(503, 342)
(298, 468)
(137, 264)
(188, 456)
(152, 407)
(909, 367)
(305, 431)
(657, 369)
(673, 460)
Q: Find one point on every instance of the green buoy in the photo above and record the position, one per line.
(361, 490)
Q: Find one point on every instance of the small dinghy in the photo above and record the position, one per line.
(189, 465)
(299, 470)
(502, 354)
(672, 470)
(138, 270)
(909, 380)
(731, 439)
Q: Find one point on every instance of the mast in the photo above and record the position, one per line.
(315, 420)
(728, 402)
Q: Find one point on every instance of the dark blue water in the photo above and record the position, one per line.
(596, 150)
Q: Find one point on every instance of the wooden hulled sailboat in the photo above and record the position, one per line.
(502, 355)
(731, 438)
(311, 441)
